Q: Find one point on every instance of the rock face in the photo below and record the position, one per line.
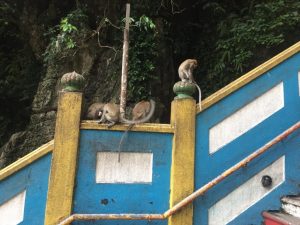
(9, 150)
(100, 87)
(42, 121)
(100, 66)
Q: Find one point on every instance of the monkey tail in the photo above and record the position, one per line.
(132, 123)
(125, 134)
(199, 90)
(143, 120)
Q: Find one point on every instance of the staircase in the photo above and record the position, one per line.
(288, 215)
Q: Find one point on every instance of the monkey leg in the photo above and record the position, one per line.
(112, 123)
(101, 121)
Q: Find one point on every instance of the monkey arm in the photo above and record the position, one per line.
(103, 119)
(110, 124)
(191, 77)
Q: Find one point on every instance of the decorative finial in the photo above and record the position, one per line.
(72, 82)
(184, 89)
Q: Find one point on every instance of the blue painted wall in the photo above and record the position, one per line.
(208, 166)
(91, 197)
(34, 179)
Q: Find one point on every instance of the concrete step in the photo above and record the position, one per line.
(291, 205)
(279, 218)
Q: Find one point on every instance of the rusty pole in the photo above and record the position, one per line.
(125, 64)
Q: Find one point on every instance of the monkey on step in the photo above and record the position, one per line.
(110, 114)
(142, 112)
(94, 111)
(185, 72)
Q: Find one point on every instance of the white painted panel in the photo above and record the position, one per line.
(132, 168)
(246, 118)
(247, 194)
(12, 211)
(291, 205)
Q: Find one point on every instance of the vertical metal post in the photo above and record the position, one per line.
(125, 64)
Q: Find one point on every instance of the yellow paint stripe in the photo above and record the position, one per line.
(248, 77)
(183, 118)
(64, 158)
(26, 160)
(145, 127)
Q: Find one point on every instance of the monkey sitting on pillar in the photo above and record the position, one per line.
(186, 69)
(185, 72)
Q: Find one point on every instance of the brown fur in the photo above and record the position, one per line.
(186, 69)
(140, 110)
(110, 113)
(185, 72)
(94, 111)
(141, 113)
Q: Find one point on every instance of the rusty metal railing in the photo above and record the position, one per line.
(189, 199)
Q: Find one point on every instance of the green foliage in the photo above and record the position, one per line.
(142, 58)
(64, 37)
(236, 36)
(67, 30)
(263, 26)
(228, 37)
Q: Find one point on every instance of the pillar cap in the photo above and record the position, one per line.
(72, 82)
(184, 89)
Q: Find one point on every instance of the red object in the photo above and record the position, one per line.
(279, 218)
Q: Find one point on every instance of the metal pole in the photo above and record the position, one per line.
(125, 64)
(231, 170)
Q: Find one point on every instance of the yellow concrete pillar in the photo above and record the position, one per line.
(64, 156)
(183, 118)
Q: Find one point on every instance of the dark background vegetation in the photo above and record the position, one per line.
(41, 40)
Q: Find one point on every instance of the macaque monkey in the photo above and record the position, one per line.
(186, 69)
(110, 113)
(141, 110)
(141, 113)
(94, 111)
(185, 72)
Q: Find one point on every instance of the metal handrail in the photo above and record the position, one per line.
(189, 199)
